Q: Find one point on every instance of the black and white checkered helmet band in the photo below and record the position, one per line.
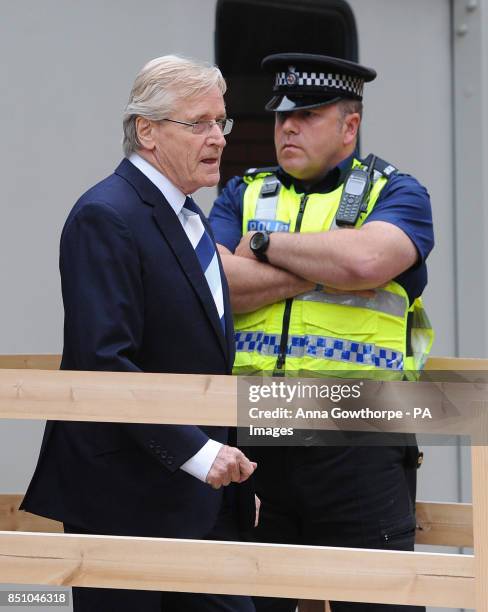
(340, 82)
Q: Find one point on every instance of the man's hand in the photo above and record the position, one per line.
(243, 249)
(230, 465)
(258, 508)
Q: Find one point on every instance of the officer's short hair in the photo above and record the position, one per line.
(160, 86)
(348, 106)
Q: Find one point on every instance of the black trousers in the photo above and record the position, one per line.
(86, 599)
(353, 496)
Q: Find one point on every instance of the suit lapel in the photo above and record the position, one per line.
(175, 236)
(229, 321)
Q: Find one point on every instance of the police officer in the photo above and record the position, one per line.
(325, 256)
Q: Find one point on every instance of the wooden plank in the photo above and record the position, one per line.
(118, 397)
(30, 362)
(479, 463)
(52, 362)
(305, 572)
(212, 400)
(455, 363)
(13, 519)
(443, 524)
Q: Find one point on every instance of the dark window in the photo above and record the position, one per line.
(247, 31)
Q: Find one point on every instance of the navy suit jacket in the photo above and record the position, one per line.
(135, 299)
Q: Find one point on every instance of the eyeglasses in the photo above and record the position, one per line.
(205, 127)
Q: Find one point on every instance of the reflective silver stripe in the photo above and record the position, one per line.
(377, 174)
(421, 335)
(267, 205)
(383, 301)
(320, 347)
(420, 318)
(420, 341)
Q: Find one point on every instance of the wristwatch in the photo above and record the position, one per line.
(259, 244)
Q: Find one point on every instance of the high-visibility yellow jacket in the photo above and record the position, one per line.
(319, 333)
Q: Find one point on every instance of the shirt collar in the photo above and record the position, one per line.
(331, 180)
(173, 195)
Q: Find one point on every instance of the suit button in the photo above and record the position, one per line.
(169, 461)
(164, 454)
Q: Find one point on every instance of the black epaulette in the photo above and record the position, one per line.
(256, 171)
(381, 166)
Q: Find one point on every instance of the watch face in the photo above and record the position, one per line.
(258, 240)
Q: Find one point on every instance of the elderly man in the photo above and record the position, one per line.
(325, 258)
(144, 291)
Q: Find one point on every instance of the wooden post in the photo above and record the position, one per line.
(479, 459)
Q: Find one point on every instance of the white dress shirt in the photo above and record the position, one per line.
(200, 464)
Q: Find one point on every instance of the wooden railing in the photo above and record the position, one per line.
(31, 552)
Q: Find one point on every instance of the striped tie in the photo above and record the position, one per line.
(206, 253)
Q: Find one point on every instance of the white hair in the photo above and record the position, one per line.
(158, 88)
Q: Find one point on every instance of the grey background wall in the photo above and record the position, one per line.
(67, 69)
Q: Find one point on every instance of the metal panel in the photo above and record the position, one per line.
(471, 98)
(408, 120)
